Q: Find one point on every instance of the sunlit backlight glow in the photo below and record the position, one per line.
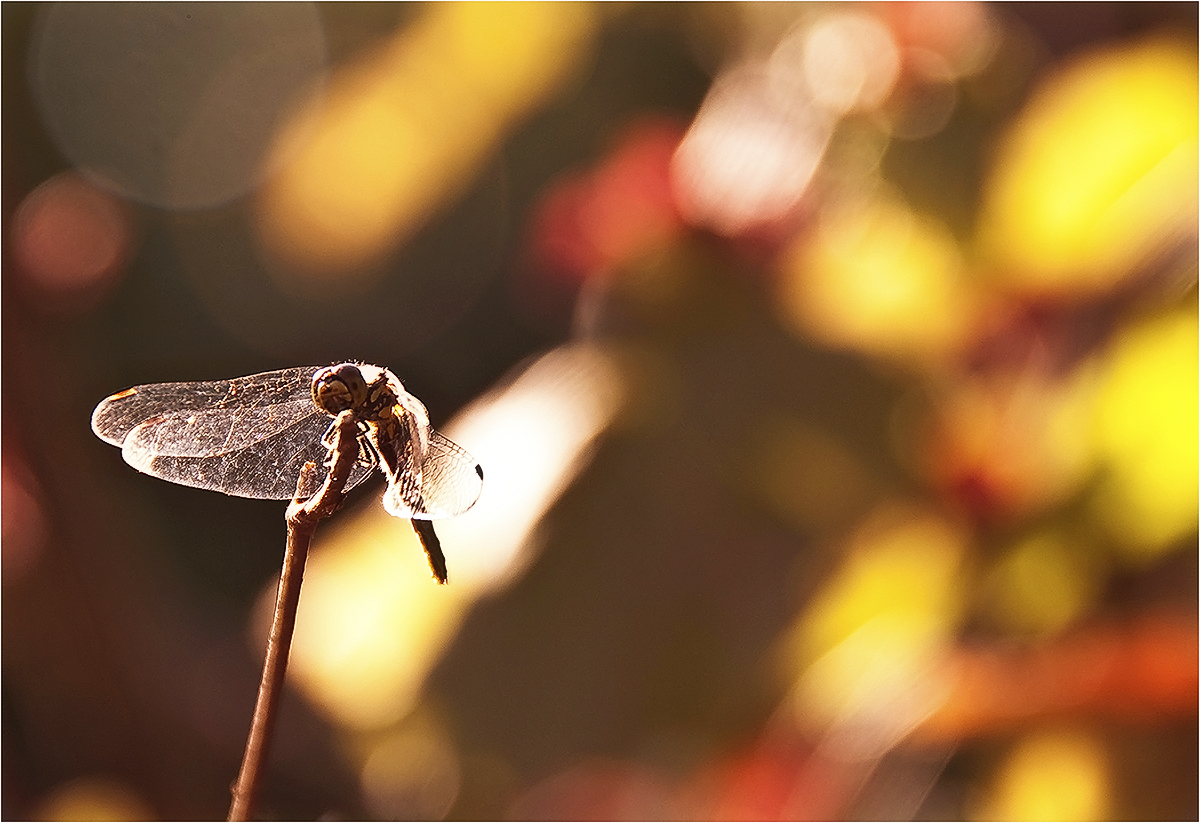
(532, 437)
(172, 104)
(71, 238)
(398, 133)
(371, 621)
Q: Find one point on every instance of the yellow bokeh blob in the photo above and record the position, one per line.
(94, 798)
(1041, 584)
(1099, 172)
(371, 623)
(902, 563)
(866, 654)
(878, 278)
(1052, 775)
(411, 773)
(396, 134)
(1146, 434)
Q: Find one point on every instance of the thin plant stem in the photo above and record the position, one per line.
(302, 520)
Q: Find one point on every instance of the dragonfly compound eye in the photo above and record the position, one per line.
(338, 388)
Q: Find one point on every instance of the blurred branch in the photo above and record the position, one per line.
(1144, 669)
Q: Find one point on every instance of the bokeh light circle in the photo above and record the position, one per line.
(172, 104)
(70, 237)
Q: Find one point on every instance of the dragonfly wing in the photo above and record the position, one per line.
(267, 468)
(204, 418)
(249, 436)
(448, 483)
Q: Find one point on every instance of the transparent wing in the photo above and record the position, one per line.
(202, 418)
(249, 436)
(448, 483)
(267, 468)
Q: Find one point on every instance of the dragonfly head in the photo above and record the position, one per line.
(337, 388)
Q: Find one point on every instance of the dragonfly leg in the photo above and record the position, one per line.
(367, 456)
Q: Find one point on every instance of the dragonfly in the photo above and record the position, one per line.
(251, 437)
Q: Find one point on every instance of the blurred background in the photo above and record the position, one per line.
(833, 369)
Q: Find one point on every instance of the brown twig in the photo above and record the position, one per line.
(302, 520)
